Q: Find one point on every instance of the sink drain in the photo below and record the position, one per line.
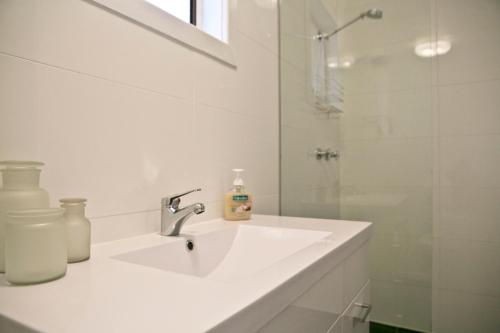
(189, 245)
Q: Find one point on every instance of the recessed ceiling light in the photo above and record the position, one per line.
(346, 64)
(432, 49)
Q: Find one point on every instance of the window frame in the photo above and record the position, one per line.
(192, 12)
(173, 28)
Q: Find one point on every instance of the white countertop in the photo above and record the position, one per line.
(109, 295)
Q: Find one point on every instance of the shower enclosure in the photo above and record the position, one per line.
(357, 137)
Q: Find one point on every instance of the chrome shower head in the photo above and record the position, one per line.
(373, 14)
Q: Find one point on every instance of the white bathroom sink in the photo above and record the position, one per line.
(239, 276)
(227, 254)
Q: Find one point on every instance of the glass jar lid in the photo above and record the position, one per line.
(13, 164)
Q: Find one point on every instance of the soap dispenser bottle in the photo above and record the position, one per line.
(238, 203)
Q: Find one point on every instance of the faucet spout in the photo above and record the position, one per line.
(182, 216)
(173, 217)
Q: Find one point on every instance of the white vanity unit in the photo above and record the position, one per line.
(270, 274)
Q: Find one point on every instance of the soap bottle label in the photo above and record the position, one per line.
(240, 197)
(241, 204)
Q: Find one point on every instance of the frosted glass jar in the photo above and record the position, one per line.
(35, 245)
(20, 190)
(77, 229)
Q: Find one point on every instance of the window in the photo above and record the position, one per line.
(182, 9)
(208, 15)
(200, 24)
(212, 18)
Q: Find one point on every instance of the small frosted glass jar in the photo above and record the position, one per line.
(35, 245)
(19, 190)
(77, 229)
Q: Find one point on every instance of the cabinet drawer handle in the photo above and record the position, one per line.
(367, 308)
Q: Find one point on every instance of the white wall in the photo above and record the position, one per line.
(124, 116)
(467, 225)
(421, 159)
(386, 162)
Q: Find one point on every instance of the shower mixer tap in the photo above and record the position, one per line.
(327, 154)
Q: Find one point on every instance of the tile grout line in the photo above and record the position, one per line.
(436, 271)
(464, 83)
(123, 214)
(225, 109)
(258, 43)
(101, 78)
(468, 292)
(261, 195)
(495, 243)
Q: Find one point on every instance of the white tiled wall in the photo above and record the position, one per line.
(467, 226)
(420, 154)
(386, 166)
(124, 116)
(421, 159)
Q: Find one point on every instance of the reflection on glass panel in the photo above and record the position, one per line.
(384, 135)
(315, 311)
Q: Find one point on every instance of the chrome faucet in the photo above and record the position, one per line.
(173, 217)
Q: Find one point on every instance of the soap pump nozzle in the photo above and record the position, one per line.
(238, 181)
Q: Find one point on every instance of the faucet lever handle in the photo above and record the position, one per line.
(174, 200)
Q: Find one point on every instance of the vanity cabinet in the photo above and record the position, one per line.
(355, 318)
(339, 302)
